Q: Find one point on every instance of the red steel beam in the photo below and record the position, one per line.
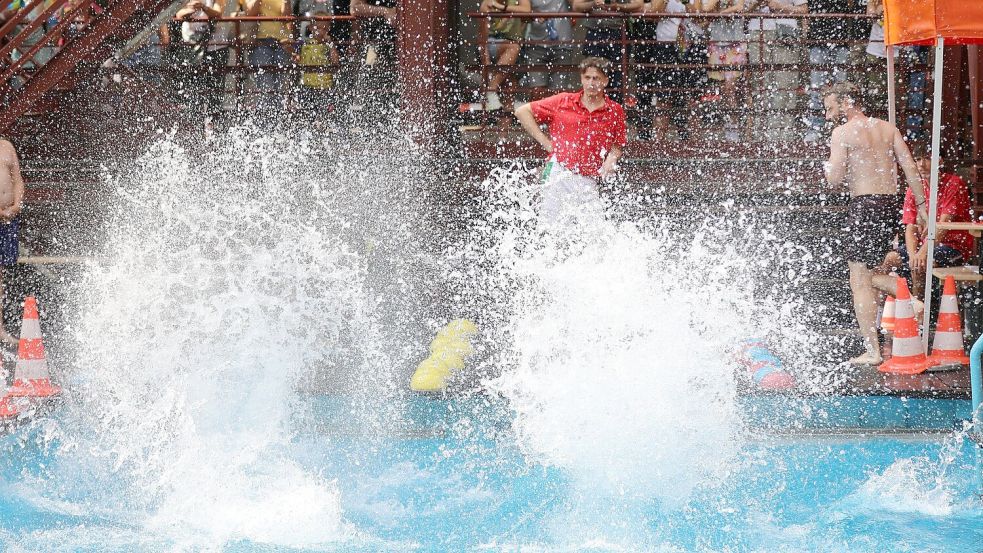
(121, 15)
(423, 45)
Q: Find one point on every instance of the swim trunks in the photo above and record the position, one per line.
(566, 195)
(872, 222)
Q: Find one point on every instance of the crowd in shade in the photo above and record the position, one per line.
(675, 57)
(672, 60)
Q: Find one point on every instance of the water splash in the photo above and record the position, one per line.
(234, 276)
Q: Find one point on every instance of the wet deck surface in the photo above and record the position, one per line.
(953, 384)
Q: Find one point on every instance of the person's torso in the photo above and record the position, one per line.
(580, 137)
(667, 30)
(953, 199)
(726, 29)
(508, 28)
(550, 29)
(196, 31)
(315, 54)
(377, 29)
(835, 29)
(272, 29)
(607, 22)
(871, 165)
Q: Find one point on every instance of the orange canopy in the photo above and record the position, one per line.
(920, 21)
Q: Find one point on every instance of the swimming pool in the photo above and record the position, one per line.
(451, 479)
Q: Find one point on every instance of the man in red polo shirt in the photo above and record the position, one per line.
(586, 135)
(953, 247)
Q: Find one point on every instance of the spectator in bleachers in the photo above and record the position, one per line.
(504, 43)
(604, 35)
(316, 91)
(829, 54)
(11, 201)
(271, 53)
(197, 56)
(875, 81)
(543, 83)
(379, 31)
(727, 47)
(776, 41)
(658, 88)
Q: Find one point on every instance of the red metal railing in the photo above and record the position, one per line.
(753, 72)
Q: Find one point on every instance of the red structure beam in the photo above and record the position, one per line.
(424, 66)
(123, 16)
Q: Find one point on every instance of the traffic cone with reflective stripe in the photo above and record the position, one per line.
(31, 378)
(8, 408)
(909, 358)
(947, 347)
(887, 316)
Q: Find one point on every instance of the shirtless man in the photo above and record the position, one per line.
(865, 153)
(11, 198)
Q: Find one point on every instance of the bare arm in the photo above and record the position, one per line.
(738, 7)
(524, 6)
(836, 167)
(610, 162)
(215, 10)
(188, 10)
(252, 7)
(528, 121)
(875, 7)
(16, 181)
(583, 6)
(903, 155)
(776, 6)
(359, 8)
(655, 6)
(630, 7)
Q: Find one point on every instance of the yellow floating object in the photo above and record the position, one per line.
(448, 352)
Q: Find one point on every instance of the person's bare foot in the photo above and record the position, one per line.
(866, 359)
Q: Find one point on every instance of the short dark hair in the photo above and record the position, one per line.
(601, 64)
(843, 91)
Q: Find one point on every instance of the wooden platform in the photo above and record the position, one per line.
(952, 384)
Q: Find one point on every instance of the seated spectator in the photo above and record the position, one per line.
(658, 88)
(727, 47)
(952, 248)
(316, 89)
(379, 31)
(776, 41)
(604, 35)
(544, 83)
(271, 53)
(198, 58)
(503, 44)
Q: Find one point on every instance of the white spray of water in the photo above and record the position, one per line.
(229, 281)
(617, 342)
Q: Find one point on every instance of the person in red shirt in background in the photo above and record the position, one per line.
(586, 137)
(952, 248)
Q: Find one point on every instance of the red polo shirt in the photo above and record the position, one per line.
(581, 139)
(953, 200)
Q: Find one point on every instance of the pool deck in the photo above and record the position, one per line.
(866, 380)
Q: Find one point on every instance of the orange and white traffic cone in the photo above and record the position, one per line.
(887, 316)
(31, 378)
(8, 408)
(947, 347)
(909, 358)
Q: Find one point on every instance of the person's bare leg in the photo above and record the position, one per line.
(5, 336)
(508, 54)
(865, 307)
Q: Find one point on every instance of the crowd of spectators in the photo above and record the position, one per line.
(770, 67)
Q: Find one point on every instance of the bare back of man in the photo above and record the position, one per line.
(11, 198)
(864, 155)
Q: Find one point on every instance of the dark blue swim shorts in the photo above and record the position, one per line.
(8, 242)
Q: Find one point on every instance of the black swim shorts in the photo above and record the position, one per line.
(871, 224)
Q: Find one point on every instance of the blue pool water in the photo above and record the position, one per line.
(450, 478)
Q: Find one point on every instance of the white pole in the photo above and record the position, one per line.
(891, 99)
(934, 185)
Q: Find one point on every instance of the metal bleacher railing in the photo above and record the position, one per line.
(703, 99)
